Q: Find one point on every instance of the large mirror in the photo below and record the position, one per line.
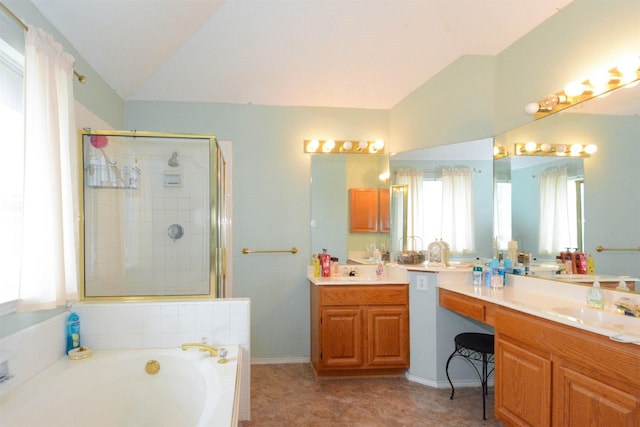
(610, 193)
(449, 199)
(333, 178)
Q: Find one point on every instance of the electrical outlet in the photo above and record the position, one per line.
(421, 283)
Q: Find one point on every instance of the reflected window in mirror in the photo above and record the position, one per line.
(560, 211)
(441, 206)
(502, 209)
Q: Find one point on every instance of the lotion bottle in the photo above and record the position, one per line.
(595, 296)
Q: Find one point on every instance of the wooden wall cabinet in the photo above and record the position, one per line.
(369, 210)
(359, 329)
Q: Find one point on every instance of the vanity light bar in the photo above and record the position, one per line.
(343, 147)
(545, 149)
(627, 73)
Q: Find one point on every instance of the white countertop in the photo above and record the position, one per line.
(338, 280)
(558, 302)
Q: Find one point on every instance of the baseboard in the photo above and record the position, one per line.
(279, 360)
(445, 384)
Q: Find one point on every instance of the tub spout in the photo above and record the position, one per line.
(213, 351)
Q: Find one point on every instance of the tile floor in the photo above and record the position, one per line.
(290, 395)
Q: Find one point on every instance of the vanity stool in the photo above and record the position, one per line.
(475, 347)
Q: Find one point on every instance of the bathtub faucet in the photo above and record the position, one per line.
(213, 351)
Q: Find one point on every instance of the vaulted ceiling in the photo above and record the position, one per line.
(334, 53)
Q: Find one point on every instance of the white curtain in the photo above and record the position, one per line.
(457, 209)
(413, 178)
(49, 258)
(555, 230)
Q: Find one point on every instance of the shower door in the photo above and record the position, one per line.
(153, 216)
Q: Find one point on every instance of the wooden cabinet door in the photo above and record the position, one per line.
(584, 401)
(523, 386)
(341, 341)
(363, 210)
(388, 337)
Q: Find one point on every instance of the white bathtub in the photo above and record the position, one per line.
(111, 388)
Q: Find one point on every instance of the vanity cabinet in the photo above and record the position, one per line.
(468, 306)
(551, 374)
(369, 210)
(359, 329)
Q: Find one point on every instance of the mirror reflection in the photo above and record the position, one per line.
(447, 199)
(610, 197)
(337, 180)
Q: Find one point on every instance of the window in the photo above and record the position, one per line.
(12, 171)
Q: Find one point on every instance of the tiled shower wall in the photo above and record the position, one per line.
(132, 325)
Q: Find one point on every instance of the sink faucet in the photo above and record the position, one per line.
(202, 347)
(627, 307)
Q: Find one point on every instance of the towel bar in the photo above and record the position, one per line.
(293, 250)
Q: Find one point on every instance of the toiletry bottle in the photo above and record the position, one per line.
(379, 269)
(508, 265)
(325, 263)
(477, 274)
(315, 261)
(591, 265)
(595, 296)
(488, 271)
(73, 332)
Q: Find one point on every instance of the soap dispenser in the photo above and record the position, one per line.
(595, 296)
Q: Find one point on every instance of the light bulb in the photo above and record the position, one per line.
(530, 146)
(362, 145)
(561, 150)
(347, 145)
(600, 79)
(628, 67)
(591, 148)
(574, 89)
(545, 147)
(379, 144)
(313, 145)
(532, 108)
(576, 149)
(496, 150)
(328, 145)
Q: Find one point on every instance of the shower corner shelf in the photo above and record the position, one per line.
(112, 176)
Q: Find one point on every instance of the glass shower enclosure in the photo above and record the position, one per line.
(152, 211)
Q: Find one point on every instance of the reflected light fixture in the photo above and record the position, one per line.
(601, 82)
(499, 151)
(532, 148)
(330, 146)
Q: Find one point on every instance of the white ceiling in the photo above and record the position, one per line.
(334, 53)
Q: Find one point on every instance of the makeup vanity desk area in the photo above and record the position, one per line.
(556, 363)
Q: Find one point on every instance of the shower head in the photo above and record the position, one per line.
(173, 161)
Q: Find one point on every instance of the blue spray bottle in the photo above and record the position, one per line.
(73, 332)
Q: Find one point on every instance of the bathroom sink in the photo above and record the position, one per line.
(601, 318)
(578, 277)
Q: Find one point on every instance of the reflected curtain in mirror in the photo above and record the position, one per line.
(412, 179)
(457, 209)
(555, 225)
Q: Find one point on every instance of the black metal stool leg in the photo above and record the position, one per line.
(447, 371)
(485, 387)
